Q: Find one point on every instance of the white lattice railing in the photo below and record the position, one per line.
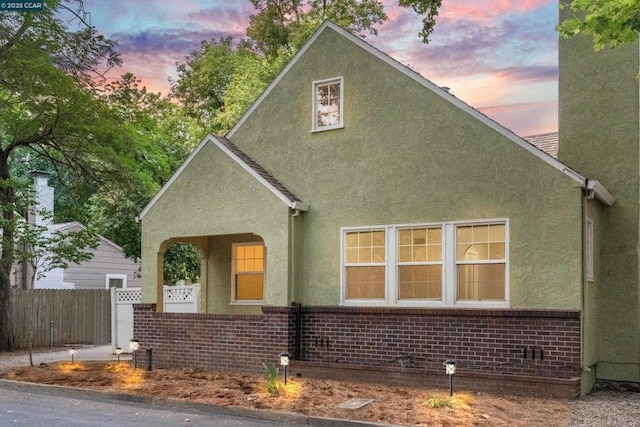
(180, 294)
(181, 299)
(128, 296)
(177, 299)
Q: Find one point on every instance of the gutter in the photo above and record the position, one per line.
(600, 193)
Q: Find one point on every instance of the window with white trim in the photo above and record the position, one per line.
(248, 272)
(444, 264)
(328, 102)
(115, 281)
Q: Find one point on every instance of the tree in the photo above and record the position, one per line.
(44, 250)
(181, 262)
(288, 23)
(163, 137)
(51, 62)
(610, 23)
(221, 80)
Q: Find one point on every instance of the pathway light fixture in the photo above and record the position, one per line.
(450, 369)
(284, 361)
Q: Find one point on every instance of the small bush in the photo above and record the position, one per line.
(272, 378)
(438, 402)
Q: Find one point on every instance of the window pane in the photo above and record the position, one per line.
(497, 233)
(496, 251)
(419, 236)
(480, 233)
(249, 286)
(249, 272)
(328, 104)
(115, 283)
(464, 234)
(352, 240)
(405, 254)
(365, 282)
(434, 253)
(404, 237)
(420, 282)
(477, 282)
(378, 254)
(420, 253)
(434, 236)
(377, 238)
(365, 255)
(365, 247)
(480, 242)
(352, 255)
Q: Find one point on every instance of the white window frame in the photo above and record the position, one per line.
(235, 301)
(449, 267)
(589, 250)
(110, 276)
(314, 110)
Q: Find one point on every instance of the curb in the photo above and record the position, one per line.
(87, 394)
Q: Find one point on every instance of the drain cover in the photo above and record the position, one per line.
(354, 403)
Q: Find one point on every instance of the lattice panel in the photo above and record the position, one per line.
(130, 296)
(180, 295)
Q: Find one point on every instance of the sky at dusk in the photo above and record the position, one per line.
(499, 56)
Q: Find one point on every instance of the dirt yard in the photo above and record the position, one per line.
(392, 405)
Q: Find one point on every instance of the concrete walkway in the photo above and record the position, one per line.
(84, 353)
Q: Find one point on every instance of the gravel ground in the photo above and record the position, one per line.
(607, 408)
(602, 408)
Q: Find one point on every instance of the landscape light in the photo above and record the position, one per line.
(72, 352)
(450, 369)
(118, 352)
(134, 344)
(284, 361)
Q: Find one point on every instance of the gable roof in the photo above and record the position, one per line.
(547, 142)
(264, 177)
(247, 163)
(601, 193)
(66, 227)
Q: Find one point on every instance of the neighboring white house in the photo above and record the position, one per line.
(108, 267)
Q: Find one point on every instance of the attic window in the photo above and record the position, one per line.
(328, 101)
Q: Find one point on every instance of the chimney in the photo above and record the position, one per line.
(43, 199)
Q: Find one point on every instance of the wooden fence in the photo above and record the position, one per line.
(78, 316)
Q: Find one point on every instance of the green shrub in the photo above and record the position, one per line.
(272, 378)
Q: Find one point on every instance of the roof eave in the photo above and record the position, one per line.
(601, 193)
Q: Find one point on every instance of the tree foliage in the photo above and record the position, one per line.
(181, 262)
(45, 249)
(51, 63)
(610, 23)
(218, 82)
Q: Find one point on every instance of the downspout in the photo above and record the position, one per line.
(293, 270)
(588, 194)
(295, 213)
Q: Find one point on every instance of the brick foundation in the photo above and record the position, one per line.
(506, 351)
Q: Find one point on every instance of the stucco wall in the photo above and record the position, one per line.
(214, 196)
(600, 137)
(407, 156)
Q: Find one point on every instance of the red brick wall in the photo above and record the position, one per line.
(515, 351)
(226, 342)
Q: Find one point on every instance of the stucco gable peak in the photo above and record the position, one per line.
(412, 74)
(252, 167)
(259, 173)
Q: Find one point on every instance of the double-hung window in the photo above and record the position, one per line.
(328, 101)
(444, 264)
(365, 257)
(248, 272)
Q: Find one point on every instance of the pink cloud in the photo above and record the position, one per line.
(487, 10)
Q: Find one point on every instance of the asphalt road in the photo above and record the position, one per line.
(20, 408)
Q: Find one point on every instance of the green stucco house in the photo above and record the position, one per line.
(373, 225)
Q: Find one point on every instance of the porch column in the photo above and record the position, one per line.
(160, 282)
